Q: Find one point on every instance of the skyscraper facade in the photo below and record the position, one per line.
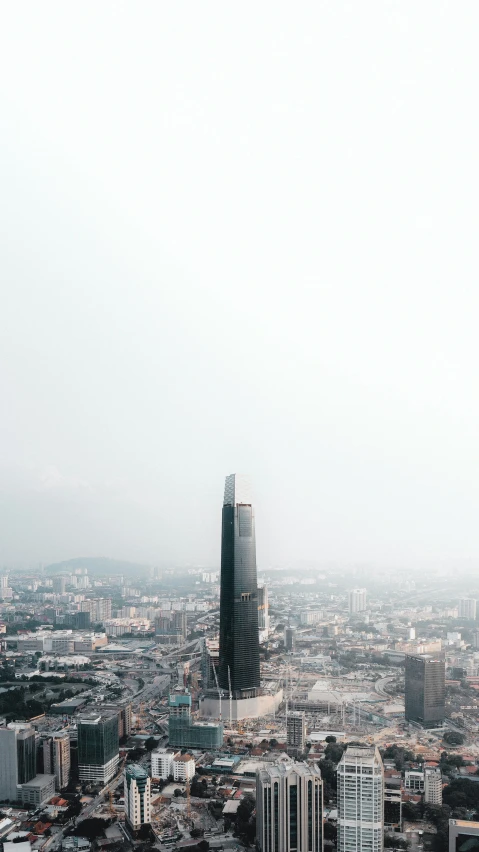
(239, 671)
(360, 800)
(98, 752)
(56, 758)
(289, 808)
(425, 690)
(17, 758)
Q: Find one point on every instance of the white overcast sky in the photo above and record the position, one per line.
(239, 237)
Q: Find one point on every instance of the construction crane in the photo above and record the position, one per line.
(188, 799)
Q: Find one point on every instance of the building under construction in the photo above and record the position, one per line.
(183, 732)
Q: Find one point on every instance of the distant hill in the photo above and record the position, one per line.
(98, 565)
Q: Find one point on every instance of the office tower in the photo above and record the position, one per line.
(289, 808)
(137, 787)
(162, 763)
(425, 690)
(357, 600)
(239, 643)
(296, 731)
(360, 800)
(184, 733)
(17, 758)
(289, 638)
(263, 613)
(97, 748)
(432, 785)
(467, 608)
(56, 758)
(463, 835)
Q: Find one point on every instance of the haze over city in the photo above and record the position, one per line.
(239, 240)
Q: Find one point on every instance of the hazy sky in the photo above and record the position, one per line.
(239, 237)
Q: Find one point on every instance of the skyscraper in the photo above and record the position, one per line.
(17, 758)
(137, 792)
(56, 758)
(239, 644)
(425, 690)
(467, 608)
(289, 808)
(360, 800)
(357, 600)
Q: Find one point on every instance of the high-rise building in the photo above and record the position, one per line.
(432, 785)
(289, 638)
(392, 800)
(263, 613)
(357, 600)
(360, 800)
(184, 733)
(239, 643)
(296, 731)
(56, 758)
(467, 608)
(183, 767)
(59, 585)
(98, 753)
(17, 758)
(137, 792)
(289, 808)
(425, 690)
(463, 835)
(99, 609)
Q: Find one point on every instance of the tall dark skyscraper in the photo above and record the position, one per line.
(239, 643)
(425, 690)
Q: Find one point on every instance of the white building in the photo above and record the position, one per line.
(360, 800)
(414, 780)
(162, 763)
(137, 792)
(263, 614)
(432, 785)
(467, 608)
(357, 600)
(289, 807)
(183, 767)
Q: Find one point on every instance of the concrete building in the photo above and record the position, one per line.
(463, 835)
(425, 690)
(162, 763)
(99, 609)
(98, 752)
(289, 638)
(56, 758)
(296, 731)
(184, 733)
(289, 808)
(360, 800)
(183, 767)
(356, 600)
(38, 791)
(137, 792)
(432, 785)
(414, 781)
(467, 608)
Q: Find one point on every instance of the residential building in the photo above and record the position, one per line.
(467, 608)
(432, 785)
(296, 731)
(239, 641)
(289, 808)
(137, 792)
(162, 763)
(56, 758)
(98, 753)
(425, 690)
(360, 800)
(183, 767)
(463, 835)
(356, 600)
(99, 609)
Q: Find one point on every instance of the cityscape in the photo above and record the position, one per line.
(218, 709)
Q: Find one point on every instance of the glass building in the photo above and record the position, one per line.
(184, 733)
(239, 642)
(425, 690)
(98, 748)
